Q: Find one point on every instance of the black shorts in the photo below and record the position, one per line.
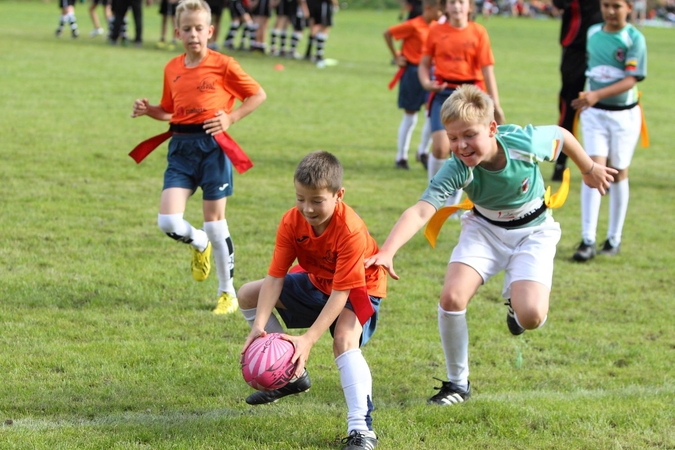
(237, 9)
(65, 3)
(216, 6)
(168, 9)
(102, 2)
(262, 9)
(321, 12)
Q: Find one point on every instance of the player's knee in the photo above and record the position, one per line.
(531, 318)
(344, 340)
(172, 225)
(452, 301)
(248, 296)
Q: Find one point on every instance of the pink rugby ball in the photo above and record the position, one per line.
(266, 364)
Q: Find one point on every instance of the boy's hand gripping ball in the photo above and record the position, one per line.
(266, 364)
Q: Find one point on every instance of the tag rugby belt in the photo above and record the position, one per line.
(239, 159)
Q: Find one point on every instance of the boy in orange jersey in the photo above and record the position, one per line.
(200, 90)
(411, 94)
(460, 52)
(331, 290)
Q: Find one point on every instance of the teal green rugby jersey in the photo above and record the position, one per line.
(509, 193)
(614, 56)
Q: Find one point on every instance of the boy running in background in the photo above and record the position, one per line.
(239, 13)
(460, 52)
(216, 15)
(411, 95)
(293, 13)
(332, 290)
(107, 11)
(321, 19)
(67, 8)
(611, 118)
(167, 9)
(200, 90)
(510, 227)
(261, 12)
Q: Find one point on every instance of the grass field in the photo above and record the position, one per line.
(106, 343)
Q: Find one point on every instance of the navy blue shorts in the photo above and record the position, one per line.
(411, 94)
(303, 303)
(436, 103)
(196, 160)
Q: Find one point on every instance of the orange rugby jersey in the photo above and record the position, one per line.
(414, 33)
(195, 94)
(334, 260)
(459, 54)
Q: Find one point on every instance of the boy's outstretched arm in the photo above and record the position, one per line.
(267, 300)
(408, 224)
(589, 98)
(223, 121)
(595, 175)
(143, 108)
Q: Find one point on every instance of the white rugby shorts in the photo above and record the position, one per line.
(525, 254)
(611, 134)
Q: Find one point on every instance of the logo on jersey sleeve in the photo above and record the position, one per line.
(631, 65)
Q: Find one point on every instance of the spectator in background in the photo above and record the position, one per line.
(639, 13)
(577, 17)
(120, 8)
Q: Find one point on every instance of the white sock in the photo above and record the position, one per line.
(179, 229)
(425, 139)
(273, 324)
(590, 209)
(618, 206)
(435, 165)
(405, 131)
(357, 385)
(455, 339)
(223, 254)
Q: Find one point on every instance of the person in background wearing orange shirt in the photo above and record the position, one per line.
(200, 89)
(331, 289)
(460, 52)
(411, 94)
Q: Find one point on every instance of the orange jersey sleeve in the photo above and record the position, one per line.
(414, 33)
(459, 54)
(194, 94)
(334, 260)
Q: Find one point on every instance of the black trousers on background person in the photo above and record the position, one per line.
(573, 74)
(119, 10)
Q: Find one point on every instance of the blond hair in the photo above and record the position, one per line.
(192, 6)
(468, 104)
(320, 170)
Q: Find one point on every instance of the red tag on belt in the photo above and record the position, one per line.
(397, 77)
(239, 160)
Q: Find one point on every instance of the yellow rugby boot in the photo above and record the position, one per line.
(227, 304)
(201, 263)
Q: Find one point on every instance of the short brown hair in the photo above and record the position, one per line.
(320, 170)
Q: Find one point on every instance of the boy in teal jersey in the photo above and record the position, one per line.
(611, 117)
(509, 228)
